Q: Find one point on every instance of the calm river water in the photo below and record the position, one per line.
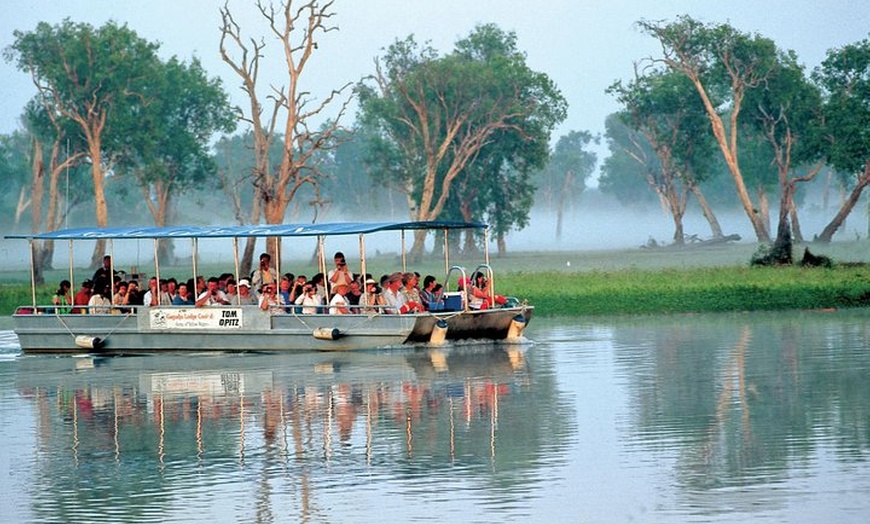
(707, 418)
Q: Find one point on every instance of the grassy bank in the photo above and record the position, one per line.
(643, 291)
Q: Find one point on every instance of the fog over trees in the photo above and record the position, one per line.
(720, 120)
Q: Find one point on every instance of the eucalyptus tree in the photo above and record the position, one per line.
(784, 113)
(87, 75)
(623, 174)
(166, 149)
(564, 178)
(284, 113)
(434, 117)
(660, 105)
(722, 64)
(844, 77)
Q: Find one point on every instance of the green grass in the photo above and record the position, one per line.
(621, 282)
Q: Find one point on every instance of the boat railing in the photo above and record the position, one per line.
(463, 277)
(488, 274)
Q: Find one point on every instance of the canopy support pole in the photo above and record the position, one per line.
(32, 275)
(236, 269)
(157, 270)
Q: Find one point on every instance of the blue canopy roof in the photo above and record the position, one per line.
(261, 230)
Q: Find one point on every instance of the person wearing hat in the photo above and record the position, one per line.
(338, 305)
(245, 297)
(83, 296)
(371, 301)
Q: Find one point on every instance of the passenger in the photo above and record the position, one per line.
(319, 283)
(371, 301)
(265, 273)
(479, 295)
(100, 303)
(152, 296)
(134, 294)
(212, 296)
(62, 297)
(353, 296)
(309, 300)
(183, 297)
(223, 280)
(102, 276)
(296, 290)
(171, 288)
(427, 295)
(165, 299)
(340, 274)
(246, 298)
(338, 305)
(232, 292)
(121, 299)
(411, 294)
(394, 301)
(270, 300)
(83, 296)
(284, 290)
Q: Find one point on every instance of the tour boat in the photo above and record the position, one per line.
(166, 328)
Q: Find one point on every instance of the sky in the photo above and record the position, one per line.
(583, 45)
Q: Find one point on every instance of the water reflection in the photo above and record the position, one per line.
(745, 400)
(695, 418)
(130, 434)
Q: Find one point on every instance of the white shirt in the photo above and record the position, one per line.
(338, 301)
(310, 303)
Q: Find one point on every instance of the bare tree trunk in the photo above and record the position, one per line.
(840, 218)
(502, 244)
(797, 234)
(102, 210)
(560, 209)
(715, 228)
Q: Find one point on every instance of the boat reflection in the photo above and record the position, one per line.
(403, 410)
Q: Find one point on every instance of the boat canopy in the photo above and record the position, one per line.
(261, 230)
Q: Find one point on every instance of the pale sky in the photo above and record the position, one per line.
(583, 45)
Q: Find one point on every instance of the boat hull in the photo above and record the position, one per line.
(247, 328)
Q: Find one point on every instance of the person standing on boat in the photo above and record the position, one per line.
(102, 276)
(212, 296)
(340, 274)
(265, 273)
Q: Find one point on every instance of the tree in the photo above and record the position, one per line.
(564, 178)
(722, 64)
(845, 79)
(433, 117)
(297, 29)
(167, 146)
(784, 114)
(86, 75)
(660, 106)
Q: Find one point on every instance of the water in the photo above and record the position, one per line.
(701, 418)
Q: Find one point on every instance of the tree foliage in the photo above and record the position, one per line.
(435, 119)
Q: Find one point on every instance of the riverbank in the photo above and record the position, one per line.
(628, 282)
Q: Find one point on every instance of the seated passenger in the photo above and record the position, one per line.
(183, 297)
(394, 301)
(246, 298)
(212, 296)
(270, 300)
(83, 296)
(479, 294)
(338, 305)
(100, 302)
(353, 296)
(411, 294)
(371, 300)
(309, 300)
(120, 298)
(62, 297)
